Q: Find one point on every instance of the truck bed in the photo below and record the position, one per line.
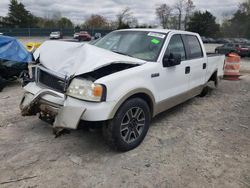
(215, 62)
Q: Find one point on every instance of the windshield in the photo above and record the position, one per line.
(143, 45)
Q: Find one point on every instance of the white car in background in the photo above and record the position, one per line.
(56, 35)
(124, 80)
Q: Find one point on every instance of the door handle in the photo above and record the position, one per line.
(187, 70)
(204, 66)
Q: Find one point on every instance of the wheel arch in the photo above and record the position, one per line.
(213, 77)
(142, 93)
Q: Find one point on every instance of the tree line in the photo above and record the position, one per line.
(182, 15)
(19, 17)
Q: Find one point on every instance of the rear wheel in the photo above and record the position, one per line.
(129, 126)
(213, 78)
(204, 91)
(216, 81)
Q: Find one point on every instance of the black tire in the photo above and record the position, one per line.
(204, 91)
(216, 81)
(3, 83)
(134, 116)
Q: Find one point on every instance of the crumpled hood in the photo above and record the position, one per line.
(72, 58)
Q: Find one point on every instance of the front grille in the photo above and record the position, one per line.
(50, 80)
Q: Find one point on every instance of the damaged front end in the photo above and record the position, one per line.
(54, 92)
(48, 95)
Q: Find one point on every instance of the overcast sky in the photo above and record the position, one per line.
(144, 10)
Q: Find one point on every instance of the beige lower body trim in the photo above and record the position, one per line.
(173, 101)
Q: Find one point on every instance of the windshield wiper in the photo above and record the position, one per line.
(121, 53)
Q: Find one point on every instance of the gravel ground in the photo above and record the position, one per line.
(204, 142)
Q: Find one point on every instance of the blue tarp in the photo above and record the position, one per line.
(11, 49)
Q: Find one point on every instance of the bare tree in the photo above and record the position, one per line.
(163, 12)
(125, 18)
(189, 8)
(184, 9)
(96, 21)
(179, 6)
(173, 22)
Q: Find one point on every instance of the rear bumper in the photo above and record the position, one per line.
(66, 111)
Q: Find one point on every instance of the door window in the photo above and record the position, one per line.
(194, 47)
(176, 46)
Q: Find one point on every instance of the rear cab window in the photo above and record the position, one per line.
(193, 47)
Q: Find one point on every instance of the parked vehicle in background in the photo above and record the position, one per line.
(98, 35)
(56, 35)
(237, 40)
(229, 40)
(222, 41)
(204, 39)
(247, 41)
(208, 40)
(123, 80)
(1, 33)
(240, 49)
(76, 35)
(14, 60)
(83, 36)
(211, 40)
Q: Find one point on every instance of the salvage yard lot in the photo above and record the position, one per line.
(204, 142)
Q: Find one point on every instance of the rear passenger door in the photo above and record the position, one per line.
(196, 60)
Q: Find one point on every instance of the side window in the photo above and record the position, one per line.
(176, 46)
(194, 47)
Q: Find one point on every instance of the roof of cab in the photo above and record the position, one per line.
(166, 31)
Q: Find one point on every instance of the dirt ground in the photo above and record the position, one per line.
(204, 142)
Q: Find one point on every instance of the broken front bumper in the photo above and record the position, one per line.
(65, 111)
(64, 116)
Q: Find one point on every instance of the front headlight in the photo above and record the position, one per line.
(86, 90)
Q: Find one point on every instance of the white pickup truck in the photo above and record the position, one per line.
(124, 79)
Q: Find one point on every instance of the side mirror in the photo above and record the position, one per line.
(171, 60)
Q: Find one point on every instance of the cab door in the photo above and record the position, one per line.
(174, 80)
(197, 61)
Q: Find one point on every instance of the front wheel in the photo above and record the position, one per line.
(129, 126)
